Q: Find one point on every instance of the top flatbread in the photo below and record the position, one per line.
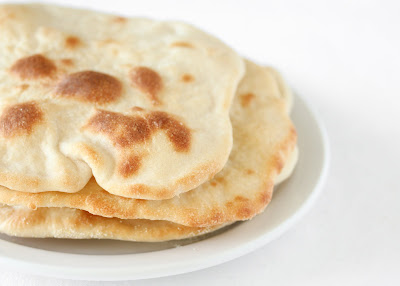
(264, 145)
(143, 106)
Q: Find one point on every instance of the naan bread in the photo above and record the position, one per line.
(264, 142)
(72, 223)
(140, 105)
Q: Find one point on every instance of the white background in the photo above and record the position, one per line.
(344, 57)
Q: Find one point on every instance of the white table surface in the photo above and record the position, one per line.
(344, 57)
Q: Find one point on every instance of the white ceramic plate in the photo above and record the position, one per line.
(116, 260)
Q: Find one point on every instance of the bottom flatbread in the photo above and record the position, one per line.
(78, 224)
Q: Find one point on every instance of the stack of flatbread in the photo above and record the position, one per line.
(132, 129)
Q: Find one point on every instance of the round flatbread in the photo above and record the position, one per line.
(78, 224)
(263, 153)
(140, 105)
